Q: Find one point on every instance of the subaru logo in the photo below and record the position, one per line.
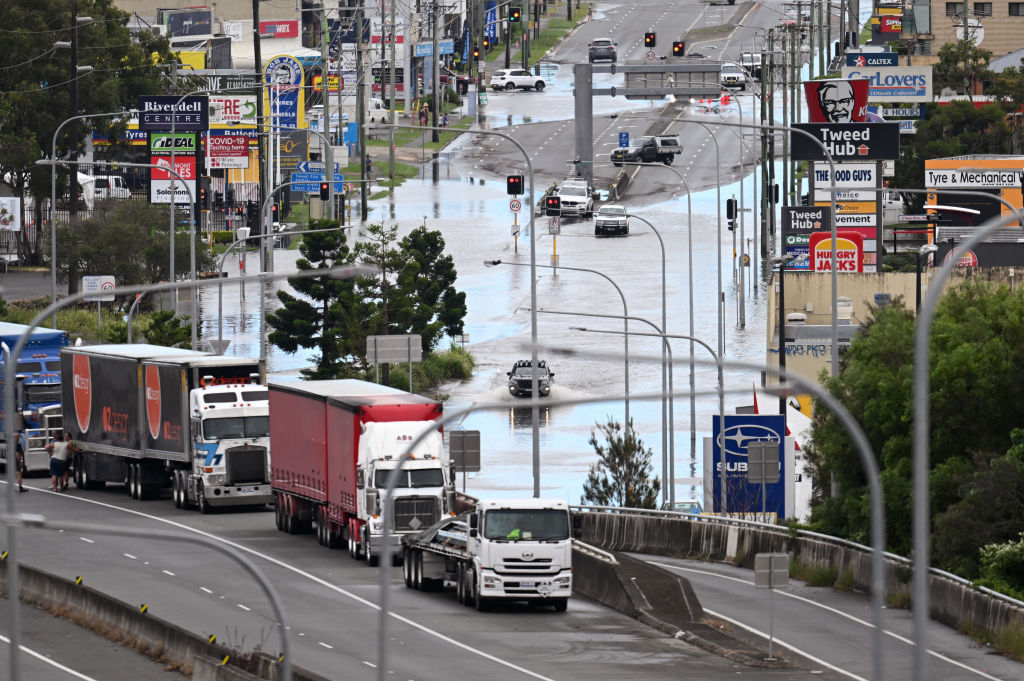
(734, 439)
(527, 555)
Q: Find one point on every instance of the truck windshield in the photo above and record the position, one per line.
(428, 477)
(527, 372)
(42, 393)
(526, 525)
(236, 426)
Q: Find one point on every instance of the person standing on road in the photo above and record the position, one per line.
(19, 458)
(58, 463)
(424, 114)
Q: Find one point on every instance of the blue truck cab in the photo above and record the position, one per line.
(37, 392)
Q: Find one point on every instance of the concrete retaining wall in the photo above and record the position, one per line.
(147, 633)
(952, 602)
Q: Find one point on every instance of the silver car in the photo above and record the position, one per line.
(611, 219)
(576, 199)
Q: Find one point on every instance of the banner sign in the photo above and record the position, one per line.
(847, 141)
(10, 213)
(798, 223)
(232, 110)
(227, 150)
(190, 113)
(283, 76)
(836, 101)
(849, 252)
(975, 179)
(279, 29)
(891, 24)
(900, 84)
(872, 59)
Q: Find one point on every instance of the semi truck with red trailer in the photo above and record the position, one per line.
(153, 417)
(336, 442)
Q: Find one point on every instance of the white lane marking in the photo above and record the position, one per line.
(203, 588)
(785, 645)
(325, 645)
(840, 613)
(128, 555)
(168, 573)
(324, 583)
(369, 664)
(47, 660)
(247, 609)
(87, 540)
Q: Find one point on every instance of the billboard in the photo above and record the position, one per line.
(836, 101)
(226, 149)
(160, 179)
(189, 113)
(279, 28)
(732, 434)
(846, 141)
(899, 84)
(872, 59)
(233, 110)
(798, 223)
(849, 251)
(162, 143)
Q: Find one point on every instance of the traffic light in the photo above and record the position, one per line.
(325, 191)
(514, 15)
(476, 52)
(552, 205)
(775, 193)
(273, 214)
(649, 40)
(252, 217)
(730, 213)
(514, 185)
(205, 197)
(678, 48)
(487, 43)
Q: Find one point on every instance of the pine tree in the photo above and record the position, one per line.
(329, 314)
(622, 474)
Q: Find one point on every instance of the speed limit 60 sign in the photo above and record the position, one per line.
(515, 205)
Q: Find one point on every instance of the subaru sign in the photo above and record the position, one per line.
(731, 436)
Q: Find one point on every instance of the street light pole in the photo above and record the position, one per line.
(924, 252)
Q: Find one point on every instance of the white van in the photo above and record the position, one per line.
(110, 187)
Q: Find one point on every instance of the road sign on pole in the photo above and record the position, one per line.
(623, 139)
(515, 205)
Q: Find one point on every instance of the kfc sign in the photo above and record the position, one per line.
(837, 101)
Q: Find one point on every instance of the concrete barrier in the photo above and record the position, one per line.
(149, 635)
(953, 601)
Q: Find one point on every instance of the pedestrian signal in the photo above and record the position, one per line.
(514, 185)
(325, 191)
(553, 205)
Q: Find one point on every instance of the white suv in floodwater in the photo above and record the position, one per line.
(733, 76)
(510, 79)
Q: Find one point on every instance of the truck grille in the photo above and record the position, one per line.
(539, 566)
(246, 465)
(415, 513)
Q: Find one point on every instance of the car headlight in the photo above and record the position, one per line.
(563, 581)
(491, 581)
(218, 479)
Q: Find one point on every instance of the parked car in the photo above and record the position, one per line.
(611, 219)
(732, 76)
(601, 48)
(111, 187)
(520, 379)
(510, 79)
(576, 198)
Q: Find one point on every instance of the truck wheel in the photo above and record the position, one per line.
(201, 502)
(351, 545)
(91, 484)
(176, 488)
(131, 482)
(278, 518)
(482, 604)
(371, 559)
(417, 570)
(319, 526)
(406, 567)
(561, 604)
(667, 160)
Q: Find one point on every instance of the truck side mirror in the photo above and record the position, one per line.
(472, 532)
(449, 500)
(551, 375)
(360, 478)
(508, 373)
(474, 522)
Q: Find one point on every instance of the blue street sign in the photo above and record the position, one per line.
(623, 139)
(315, 167)
(339, 187)
(310, 177)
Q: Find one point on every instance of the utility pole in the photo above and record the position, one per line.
(771, 118)
(364, 186)
(526, 35)
(508, 37)
(261, 140)
(824, 44)
(786, 37)
(391, 100)
(325, 69)
(765, 94)
(436, 76)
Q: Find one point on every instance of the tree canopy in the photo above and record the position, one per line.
(961, 65)
(976, 357)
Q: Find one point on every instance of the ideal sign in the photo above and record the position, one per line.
(849, 252)
(900, 84)
(846, 141)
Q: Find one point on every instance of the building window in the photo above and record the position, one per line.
(983, 9)
(954, 9)
(1017, 9)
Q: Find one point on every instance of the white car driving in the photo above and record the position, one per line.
(510, 79)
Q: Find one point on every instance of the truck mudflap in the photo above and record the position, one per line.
(238, 495)
(494, 585)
